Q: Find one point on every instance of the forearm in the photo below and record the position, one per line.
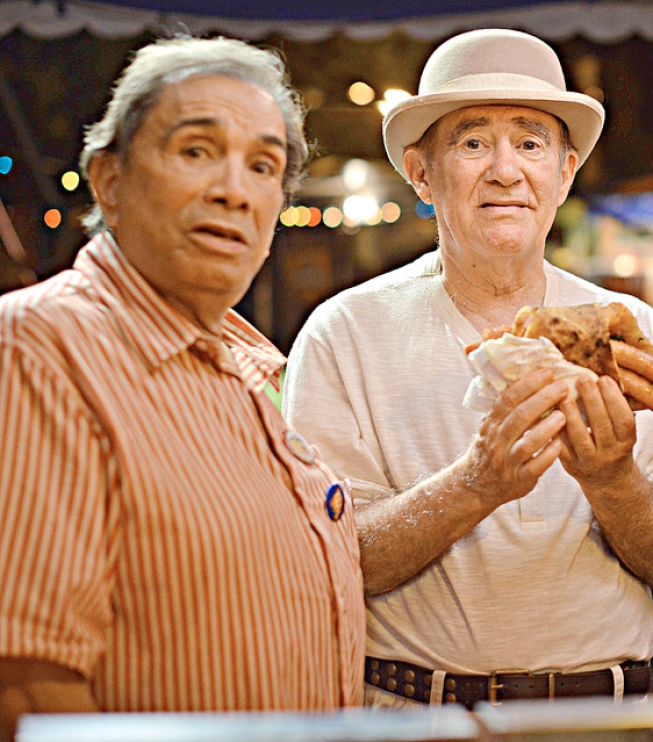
(38, 686)
(401, 534)
(624, 509)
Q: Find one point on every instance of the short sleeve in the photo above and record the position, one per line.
(55, 529)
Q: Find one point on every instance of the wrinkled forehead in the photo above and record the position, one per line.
(487, 116)
(218, 102)
(214, 91)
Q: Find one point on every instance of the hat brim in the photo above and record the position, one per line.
(406, 122)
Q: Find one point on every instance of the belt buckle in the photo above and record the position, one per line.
(493, 686)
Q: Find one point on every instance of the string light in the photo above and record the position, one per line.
(356, 210)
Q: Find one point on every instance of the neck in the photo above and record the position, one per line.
(205, 316)
(492, 296)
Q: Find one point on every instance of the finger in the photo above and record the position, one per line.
(618, 408)
(607, 411)
(533, 469)
(523, 388)
(534, 408)
(578, 439)
(596, 413)
(536, 437)
(567, 455)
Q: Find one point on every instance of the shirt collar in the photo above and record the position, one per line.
(157, 332)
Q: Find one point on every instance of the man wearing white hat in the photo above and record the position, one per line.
(511, 541)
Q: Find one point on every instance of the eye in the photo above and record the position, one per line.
(266, 167)
(473, 144)
(196, 152)
(263, 167)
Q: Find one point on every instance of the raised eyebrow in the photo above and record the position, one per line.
(210, 122)
(187, 123)
(464, 126)
(274, 140)
(535, 127)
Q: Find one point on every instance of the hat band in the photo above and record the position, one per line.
(492, 81)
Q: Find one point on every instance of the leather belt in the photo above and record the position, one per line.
(411, 681)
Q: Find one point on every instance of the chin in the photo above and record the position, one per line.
(508, 241)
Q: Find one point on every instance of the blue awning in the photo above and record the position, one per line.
(600, 21)
(635, 210)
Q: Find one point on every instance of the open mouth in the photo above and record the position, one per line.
(223, 233)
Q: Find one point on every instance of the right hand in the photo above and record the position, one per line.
(34, 686)
(518, 441)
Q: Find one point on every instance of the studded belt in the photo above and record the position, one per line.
(415, 682)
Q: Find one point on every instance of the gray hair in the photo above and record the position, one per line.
(167, 61)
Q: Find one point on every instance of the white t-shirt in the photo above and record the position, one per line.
(376, 379)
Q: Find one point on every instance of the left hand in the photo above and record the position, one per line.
(598, 450)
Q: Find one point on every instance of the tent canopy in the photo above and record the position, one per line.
(602, 21)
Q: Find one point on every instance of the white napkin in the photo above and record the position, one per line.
(499, 362)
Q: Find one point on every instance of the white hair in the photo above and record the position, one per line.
(167, 61)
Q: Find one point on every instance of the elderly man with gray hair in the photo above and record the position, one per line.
(167, 541)
(506, 553)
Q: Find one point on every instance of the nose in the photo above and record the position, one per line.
(504, 165)
(228, 183)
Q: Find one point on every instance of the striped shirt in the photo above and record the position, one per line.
(159, 532)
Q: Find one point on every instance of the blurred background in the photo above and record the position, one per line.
(355, 217)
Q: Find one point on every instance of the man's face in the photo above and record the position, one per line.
(495, 176)
(196, 202)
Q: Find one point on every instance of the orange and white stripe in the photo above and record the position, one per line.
(157, 533)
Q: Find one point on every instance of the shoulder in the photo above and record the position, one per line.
(42, 303)
(40, 324)
(376, 298)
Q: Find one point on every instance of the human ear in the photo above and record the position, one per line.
(104, 172)
(567, 174)
(415, 168)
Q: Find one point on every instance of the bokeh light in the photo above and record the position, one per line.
(303, 216)
(391, 97)
(390, 212)
(423, 211)
(315, 216)
(374, 217)
(70, 180)
(356, 210)
(6, 163)
(354, 174)
(360, 209)
(626, 265)
(361, 93)
(288, 216)
(332, 217)
(52, 218)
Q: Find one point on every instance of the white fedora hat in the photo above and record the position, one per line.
(491, 67)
